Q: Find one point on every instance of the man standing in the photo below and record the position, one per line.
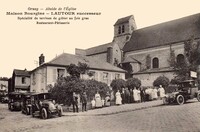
(84, 101)
(75, 102)
(123, 96)
(142, 94)
(127, 95)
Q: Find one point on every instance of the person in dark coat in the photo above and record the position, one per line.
(84, 101)
(142, 94)
(127, 95)
(75, 102)
(123, 96)
(131, 96)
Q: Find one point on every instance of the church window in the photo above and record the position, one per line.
(155, 62)
(119, 30)
(180, 58)
(123, 29)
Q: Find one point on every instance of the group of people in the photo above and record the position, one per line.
(83, 101)
(125, 96)
(98, 102)
(136, 95)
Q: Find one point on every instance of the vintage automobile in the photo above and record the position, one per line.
(186, 90)
(43, 106)
(14, 101)
(26, 103)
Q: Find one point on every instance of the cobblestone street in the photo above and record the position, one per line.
(159, 118)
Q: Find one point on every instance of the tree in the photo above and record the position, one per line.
(118, 84)
(133, 82)
(77, 70)
(83, 67)
(191, 59)
(92, 86)
(161, 80)
(63, 90)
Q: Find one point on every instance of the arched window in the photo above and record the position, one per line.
(180, 58)
(119, 30)
(123, 29)
(155, 62)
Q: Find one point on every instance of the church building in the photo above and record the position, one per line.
(145, 53)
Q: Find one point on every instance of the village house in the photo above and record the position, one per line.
(145, 53)
(20, 81)
(46, 74)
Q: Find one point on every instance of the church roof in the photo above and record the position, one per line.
(98, 49)
(66, 59)
(165, 33)
(123, 20)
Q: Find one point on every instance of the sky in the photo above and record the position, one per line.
(22, 41)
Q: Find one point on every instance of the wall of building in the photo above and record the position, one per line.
(136, 67)
(18, 81)
(148, 79)
(38, 80)
(52, 74)
(42, 77)
(162, 53)
(116, 53)
(100, 75)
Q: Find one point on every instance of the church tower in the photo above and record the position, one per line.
(123, 29)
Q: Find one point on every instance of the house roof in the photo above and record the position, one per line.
(123, 20)
(18, 72)
(165, 33)
(66, 59)
(98, 49)
(130, 59)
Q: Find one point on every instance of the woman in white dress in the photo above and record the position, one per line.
(98, 102)
(118, 98)
(155, 94)
(93, 103)
(161, 90)
(136, 95)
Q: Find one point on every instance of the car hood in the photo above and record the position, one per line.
(173, 94)
(50, 104)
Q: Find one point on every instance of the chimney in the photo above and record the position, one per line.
(41, 59)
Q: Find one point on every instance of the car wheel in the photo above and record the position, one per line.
(11, 107)
(27, 111)
(60, 112)
(44, 113)
(198, 97)
(180, 99)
